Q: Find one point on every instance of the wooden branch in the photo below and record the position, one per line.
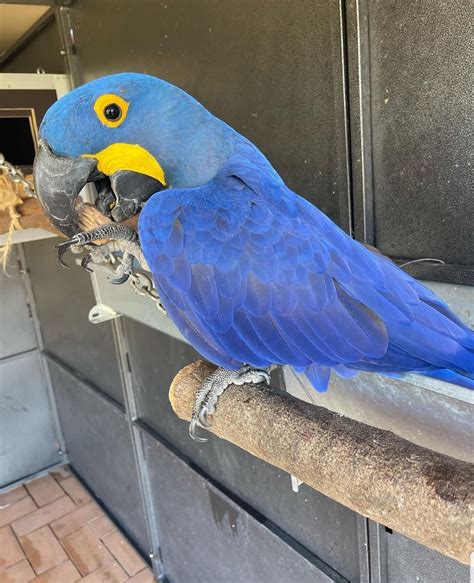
(415, 491)
(33, 217)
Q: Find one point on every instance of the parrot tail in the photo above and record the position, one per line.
(449, 376)
(318, 376)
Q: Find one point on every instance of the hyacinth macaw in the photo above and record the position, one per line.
(252, 274)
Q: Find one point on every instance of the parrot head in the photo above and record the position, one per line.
(130, 134)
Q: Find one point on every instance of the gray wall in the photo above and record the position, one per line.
(42, 51)
(277, 71)
(29, 439)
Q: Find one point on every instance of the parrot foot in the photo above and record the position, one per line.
(213, 387)
(125, 237)
(95, 255)
(124, 270)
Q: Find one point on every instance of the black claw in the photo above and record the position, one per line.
(205, 418)
(192, 432)
(119, 280)
(61, 249)
(85, 262)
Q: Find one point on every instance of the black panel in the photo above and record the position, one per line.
(408, 561)
(20, 102)
(421, 128)
(323, 526)
(207, 537)
(17, 140)
(100, 450)
(64, 298)
(272, 69)
(155, 358)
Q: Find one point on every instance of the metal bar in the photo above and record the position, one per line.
(66, 31)
(138, 450)
(358, 64)
(378, 552)
(364, 557)
(338, 17)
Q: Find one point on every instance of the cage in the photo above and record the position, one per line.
(363, 109)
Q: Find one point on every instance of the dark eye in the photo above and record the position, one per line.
(112, 112)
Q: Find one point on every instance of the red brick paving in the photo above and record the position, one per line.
(51, 531)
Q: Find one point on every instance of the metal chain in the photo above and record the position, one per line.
(16, 175)
(142, 284)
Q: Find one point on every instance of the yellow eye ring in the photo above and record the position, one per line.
(111, 110)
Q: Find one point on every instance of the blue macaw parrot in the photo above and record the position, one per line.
(252, 274)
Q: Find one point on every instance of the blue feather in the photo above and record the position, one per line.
(175, 241)
(318, 376)
(274, 281)
(203, 295)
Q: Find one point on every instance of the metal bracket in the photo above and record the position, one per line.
(102, 313)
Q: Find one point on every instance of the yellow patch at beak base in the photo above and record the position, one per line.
(128, 157)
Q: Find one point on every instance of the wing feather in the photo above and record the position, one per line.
(252, 273)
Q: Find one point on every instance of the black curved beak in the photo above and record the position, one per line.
(123, 194)
(59, 180)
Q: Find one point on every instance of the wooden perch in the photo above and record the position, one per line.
(415, 491)
(33, 217)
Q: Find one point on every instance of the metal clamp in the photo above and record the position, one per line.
(102, 313)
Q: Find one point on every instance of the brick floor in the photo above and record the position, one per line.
(51, 531)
